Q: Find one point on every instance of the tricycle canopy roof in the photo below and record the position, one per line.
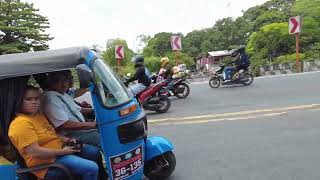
(22, 64)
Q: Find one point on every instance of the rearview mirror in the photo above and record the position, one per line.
(85, 75)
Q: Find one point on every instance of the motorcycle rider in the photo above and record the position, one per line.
(142, 75)
(166, 69)
(241, 61)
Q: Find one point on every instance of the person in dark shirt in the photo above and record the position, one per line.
(142, 75)
(241, 61)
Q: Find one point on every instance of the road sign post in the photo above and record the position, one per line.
(176, 53)
(295, 28)
(176, 46)
(297, 53)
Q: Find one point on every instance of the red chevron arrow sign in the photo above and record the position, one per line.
(176, 43)
(295, 25)
(119, 51)
(295, 28)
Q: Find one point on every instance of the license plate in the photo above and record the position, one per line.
(126, 164)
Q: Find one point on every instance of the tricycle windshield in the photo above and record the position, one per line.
(110, 88)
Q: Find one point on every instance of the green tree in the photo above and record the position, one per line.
(269, 17)
(159, 45)
(310, 12)
(280, 5)
(192, 42)
(263, 28)
(271, 41)
(284, 6)
(253, 13)
(225, 34)
(274, 11)
(152, 63)
(143, 42)
(21, 27)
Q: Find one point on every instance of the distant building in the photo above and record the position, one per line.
(211, 60)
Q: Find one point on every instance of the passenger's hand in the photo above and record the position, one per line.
(85, 104)
(71, 140)
(68, 150)
(86, 110)
(92, 125)
(65, 139)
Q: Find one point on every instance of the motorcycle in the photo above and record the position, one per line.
(245, 78)
(152, 101)
(178, 87)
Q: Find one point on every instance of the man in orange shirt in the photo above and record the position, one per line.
(37, 142)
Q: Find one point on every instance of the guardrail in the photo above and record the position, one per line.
(288, 68)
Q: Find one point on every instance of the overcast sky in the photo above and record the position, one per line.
(88, 22)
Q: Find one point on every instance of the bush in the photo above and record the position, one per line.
(289, 58)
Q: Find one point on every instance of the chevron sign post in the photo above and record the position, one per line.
(176, 46)
(295, 27)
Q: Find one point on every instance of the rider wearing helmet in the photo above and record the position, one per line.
(142, 75)
(166, 70)
(241, 60)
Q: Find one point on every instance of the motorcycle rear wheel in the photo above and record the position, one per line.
(165, 104)
(186, 91)
(250, 79)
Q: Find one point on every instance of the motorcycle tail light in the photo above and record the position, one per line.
(128, 110)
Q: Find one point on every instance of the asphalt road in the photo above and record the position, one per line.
(267, 131)
(263, 93)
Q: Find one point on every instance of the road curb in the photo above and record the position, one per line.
(265, 77)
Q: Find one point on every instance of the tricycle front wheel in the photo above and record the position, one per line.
(160, 167)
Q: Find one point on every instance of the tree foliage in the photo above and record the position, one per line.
(263, 29)
(22, 28)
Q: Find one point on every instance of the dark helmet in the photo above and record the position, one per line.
(242, 48)
(138, 60)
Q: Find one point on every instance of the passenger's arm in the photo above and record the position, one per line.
(37, 151)
(132, 79)
(76, 125)
(136, 76)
